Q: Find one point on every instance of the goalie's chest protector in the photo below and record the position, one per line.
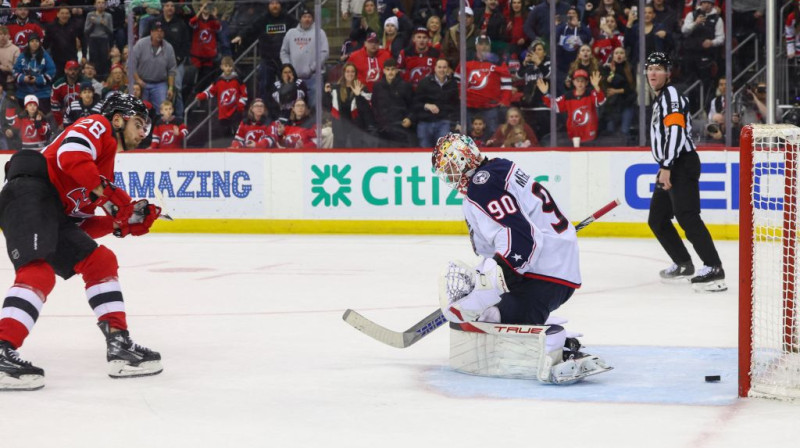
(513, 216)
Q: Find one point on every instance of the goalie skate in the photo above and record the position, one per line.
(17, 374)
(574, 370)
(126, 359)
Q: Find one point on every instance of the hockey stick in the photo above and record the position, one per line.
(161, 203)
(436, 319)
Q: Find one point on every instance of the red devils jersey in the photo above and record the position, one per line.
(257, 133)
(488, 85)
(369, 69)
(231, 95)
(32, 133)
(581, 112)
(62, 95)
(297, 137)
(415, 65)
(204, 41)
(164, 134)
(603, 48)
(77, 158)
(20, 31)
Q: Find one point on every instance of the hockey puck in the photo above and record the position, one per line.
(712, 378)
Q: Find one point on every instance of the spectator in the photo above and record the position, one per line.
(392, 101)
(34, 72)
(620, 106)
(536, 66)
(231, 94)
(417, 61)
(62, 40)
(594, 16)
(369, 60)
(370, 19)
(117, 81)
(23, 25)
(394, 39)
(655, 37)
(88, 71)
(537, 25)
(514, 133)
(47, 14)
(286, 92)
(245, 16)
(9, 53)
(99, 33)
(580, 105)
(570, 35)
(298, 131)
(703, 35)
(8, 107)
(488, 86)
(351, 10)
(65, 90)
(222, 11)
(755, 104)
(424, 10)
(118, 22)
(435, 104)
(489, 21)
(271, 31)
(169, 130)
(477, 131)
(666, 16)
(607, 39)
(585, 61)
(153, 62)
(299, 49)
(516, 16)
(717, 104)
(87, 103)
(204, 44)
(434, 26)
(715, 129)
(30, 125)
(255, 131)
(179, 35)
(451, 39)
(348, 102)
(146, 11)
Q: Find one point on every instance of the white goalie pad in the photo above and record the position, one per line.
(506, 351)
(466, 293)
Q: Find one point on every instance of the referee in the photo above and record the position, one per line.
(677, 191)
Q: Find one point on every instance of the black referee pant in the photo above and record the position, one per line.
(683, 202)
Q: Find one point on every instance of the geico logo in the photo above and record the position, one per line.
(719, 186)
(190, 184)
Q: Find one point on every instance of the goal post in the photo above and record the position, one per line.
(769, 352)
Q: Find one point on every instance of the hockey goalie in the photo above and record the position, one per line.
(499, 311)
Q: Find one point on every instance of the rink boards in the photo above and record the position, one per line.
(394, 191)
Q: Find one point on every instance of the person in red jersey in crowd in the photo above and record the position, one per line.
(255, 131)
(580, 105)
(418, 60)
(47, 213)
(169, 130)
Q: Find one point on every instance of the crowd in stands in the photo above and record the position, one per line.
(396, 81)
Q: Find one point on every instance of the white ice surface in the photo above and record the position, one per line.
(256, 355)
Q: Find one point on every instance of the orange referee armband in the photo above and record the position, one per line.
(675, 119)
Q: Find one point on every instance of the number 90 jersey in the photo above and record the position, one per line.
(512, 216)
(77, 158)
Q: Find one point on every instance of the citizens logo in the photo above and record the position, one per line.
(331, 186)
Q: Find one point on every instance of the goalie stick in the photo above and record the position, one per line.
(436, 319)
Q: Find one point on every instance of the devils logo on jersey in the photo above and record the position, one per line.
(228, 97)
(205, 36)
(30, 131)
(581, 116)
(478, 79)
(80, 199)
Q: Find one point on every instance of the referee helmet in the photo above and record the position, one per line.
(658, 58)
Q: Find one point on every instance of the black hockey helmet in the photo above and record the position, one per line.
(658, 58)
(126, 105)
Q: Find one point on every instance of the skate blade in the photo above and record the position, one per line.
(581, 376)
(121, 369)
(715, 286)
(23, 383)
(682, 280)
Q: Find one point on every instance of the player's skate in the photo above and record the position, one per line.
(709, 279)
(577, 365)
(16, 373)
(677, 273)
(126, 359)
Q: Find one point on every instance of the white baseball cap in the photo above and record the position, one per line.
(31, 99)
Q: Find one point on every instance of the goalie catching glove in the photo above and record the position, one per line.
(469, 294)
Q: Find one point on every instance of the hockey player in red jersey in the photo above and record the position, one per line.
(580, 105)
(418, 60)
(47, 213)
(530, 260)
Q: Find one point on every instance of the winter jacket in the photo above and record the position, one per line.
(41, 66)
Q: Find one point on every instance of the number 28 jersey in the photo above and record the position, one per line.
(514, 217)
(77, 158)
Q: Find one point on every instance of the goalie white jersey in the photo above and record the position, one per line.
(514, 217)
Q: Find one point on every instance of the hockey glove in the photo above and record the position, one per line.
(143, 216)
(115, 201)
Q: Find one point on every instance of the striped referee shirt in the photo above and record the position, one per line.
(670, 127)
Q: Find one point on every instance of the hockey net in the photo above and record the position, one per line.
(769, 349)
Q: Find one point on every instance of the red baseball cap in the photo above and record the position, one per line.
(580, 73)
(71, 64)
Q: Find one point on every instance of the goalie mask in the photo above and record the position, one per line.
(455, 159)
